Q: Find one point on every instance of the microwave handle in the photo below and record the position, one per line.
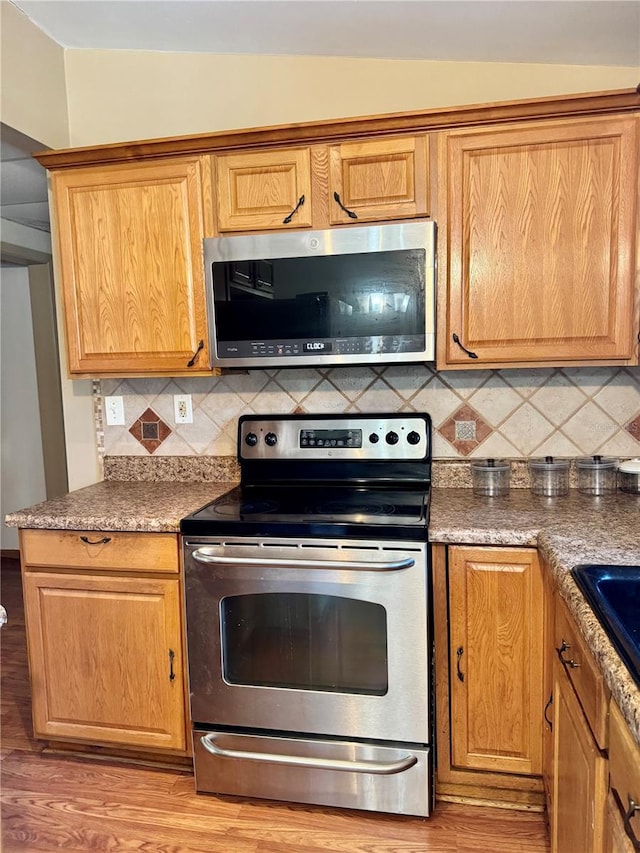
(203, 555)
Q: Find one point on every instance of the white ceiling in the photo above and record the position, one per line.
(573, 32)
(591, 32)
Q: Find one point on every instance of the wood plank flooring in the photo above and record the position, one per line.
(52, 802)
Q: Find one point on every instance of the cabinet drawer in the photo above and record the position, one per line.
(98, 550)
(624, 766)
(583, 673)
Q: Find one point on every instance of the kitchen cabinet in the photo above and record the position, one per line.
(537, 230)
(622, 821)
(105, 639)
(489, 620)
(129, 258)
(319, 186)
(580, 733)
(547, 694)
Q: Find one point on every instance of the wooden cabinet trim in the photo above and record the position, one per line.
(589, 103)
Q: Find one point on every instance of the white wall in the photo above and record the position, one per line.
(22, 482)
(125, 95)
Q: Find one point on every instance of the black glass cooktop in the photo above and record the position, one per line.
(314, 510)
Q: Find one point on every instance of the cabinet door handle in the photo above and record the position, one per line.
(546, 708)
(459, 653)
(629, 814)
(102, 541)
(288, 218)
(172, 656)
(192, 360)
(561, 650)
(457, 340)
(350, 213)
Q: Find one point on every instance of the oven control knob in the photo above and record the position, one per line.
(392, 437)
(413, 437)
(251, 439)
(271, 439)
(374, 438)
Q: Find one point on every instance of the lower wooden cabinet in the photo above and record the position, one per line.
(105, 650)
(489, 620)
(579, 775)
(622, 819)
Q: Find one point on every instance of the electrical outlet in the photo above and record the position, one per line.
(114, 410)
(182, 408)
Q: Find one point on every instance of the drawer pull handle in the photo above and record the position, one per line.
(629, 814)
(459, 653)
(457, 340)
(546, 708)
(567, 662)
(193, 358)
(102, 541)
(288, 218)
(172, 656)
(350, 213)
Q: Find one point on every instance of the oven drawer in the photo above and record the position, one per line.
(323, 772)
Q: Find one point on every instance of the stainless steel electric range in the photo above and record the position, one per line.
(307, 615)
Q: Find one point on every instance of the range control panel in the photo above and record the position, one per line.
(350, 437)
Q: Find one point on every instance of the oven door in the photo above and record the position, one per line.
(319, 637)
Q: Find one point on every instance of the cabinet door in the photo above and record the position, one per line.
(130, 258)
(264, 190)
(579, 784)
(539, 246)
(496, 648)
(549, 655)
(105, 658)
(378, 179)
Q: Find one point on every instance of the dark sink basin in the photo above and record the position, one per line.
(614, 594)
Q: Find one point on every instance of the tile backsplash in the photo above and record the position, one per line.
(576, 411)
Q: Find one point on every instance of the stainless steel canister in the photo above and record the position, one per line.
(549, 476)
(490, 477)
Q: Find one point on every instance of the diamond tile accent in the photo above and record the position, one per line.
(633, 427)
(150, 430)
(465, 430)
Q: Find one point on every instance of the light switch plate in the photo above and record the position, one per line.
(114, 410)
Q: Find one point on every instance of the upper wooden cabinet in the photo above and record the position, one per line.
(318, 186)
(378, 179)
(537, 227)
(264, 190)
(129, 241)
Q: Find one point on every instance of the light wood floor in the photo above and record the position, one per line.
(79, 805)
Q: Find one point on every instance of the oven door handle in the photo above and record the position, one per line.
(378, 768)
(202, 555)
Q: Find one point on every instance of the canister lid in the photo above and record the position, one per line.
(549, 463)
(630, 466)
(592, 462)
(490, 464)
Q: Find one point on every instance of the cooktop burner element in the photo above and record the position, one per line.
(326, 475)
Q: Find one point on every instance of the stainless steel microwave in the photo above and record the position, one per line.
(356, 295)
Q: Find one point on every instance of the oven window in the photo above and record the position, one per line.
(305, 641)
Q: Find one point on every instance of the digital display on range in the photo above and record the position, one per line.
(313, 438)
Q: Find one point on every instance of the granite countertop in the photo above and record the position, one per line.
(567, 530)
